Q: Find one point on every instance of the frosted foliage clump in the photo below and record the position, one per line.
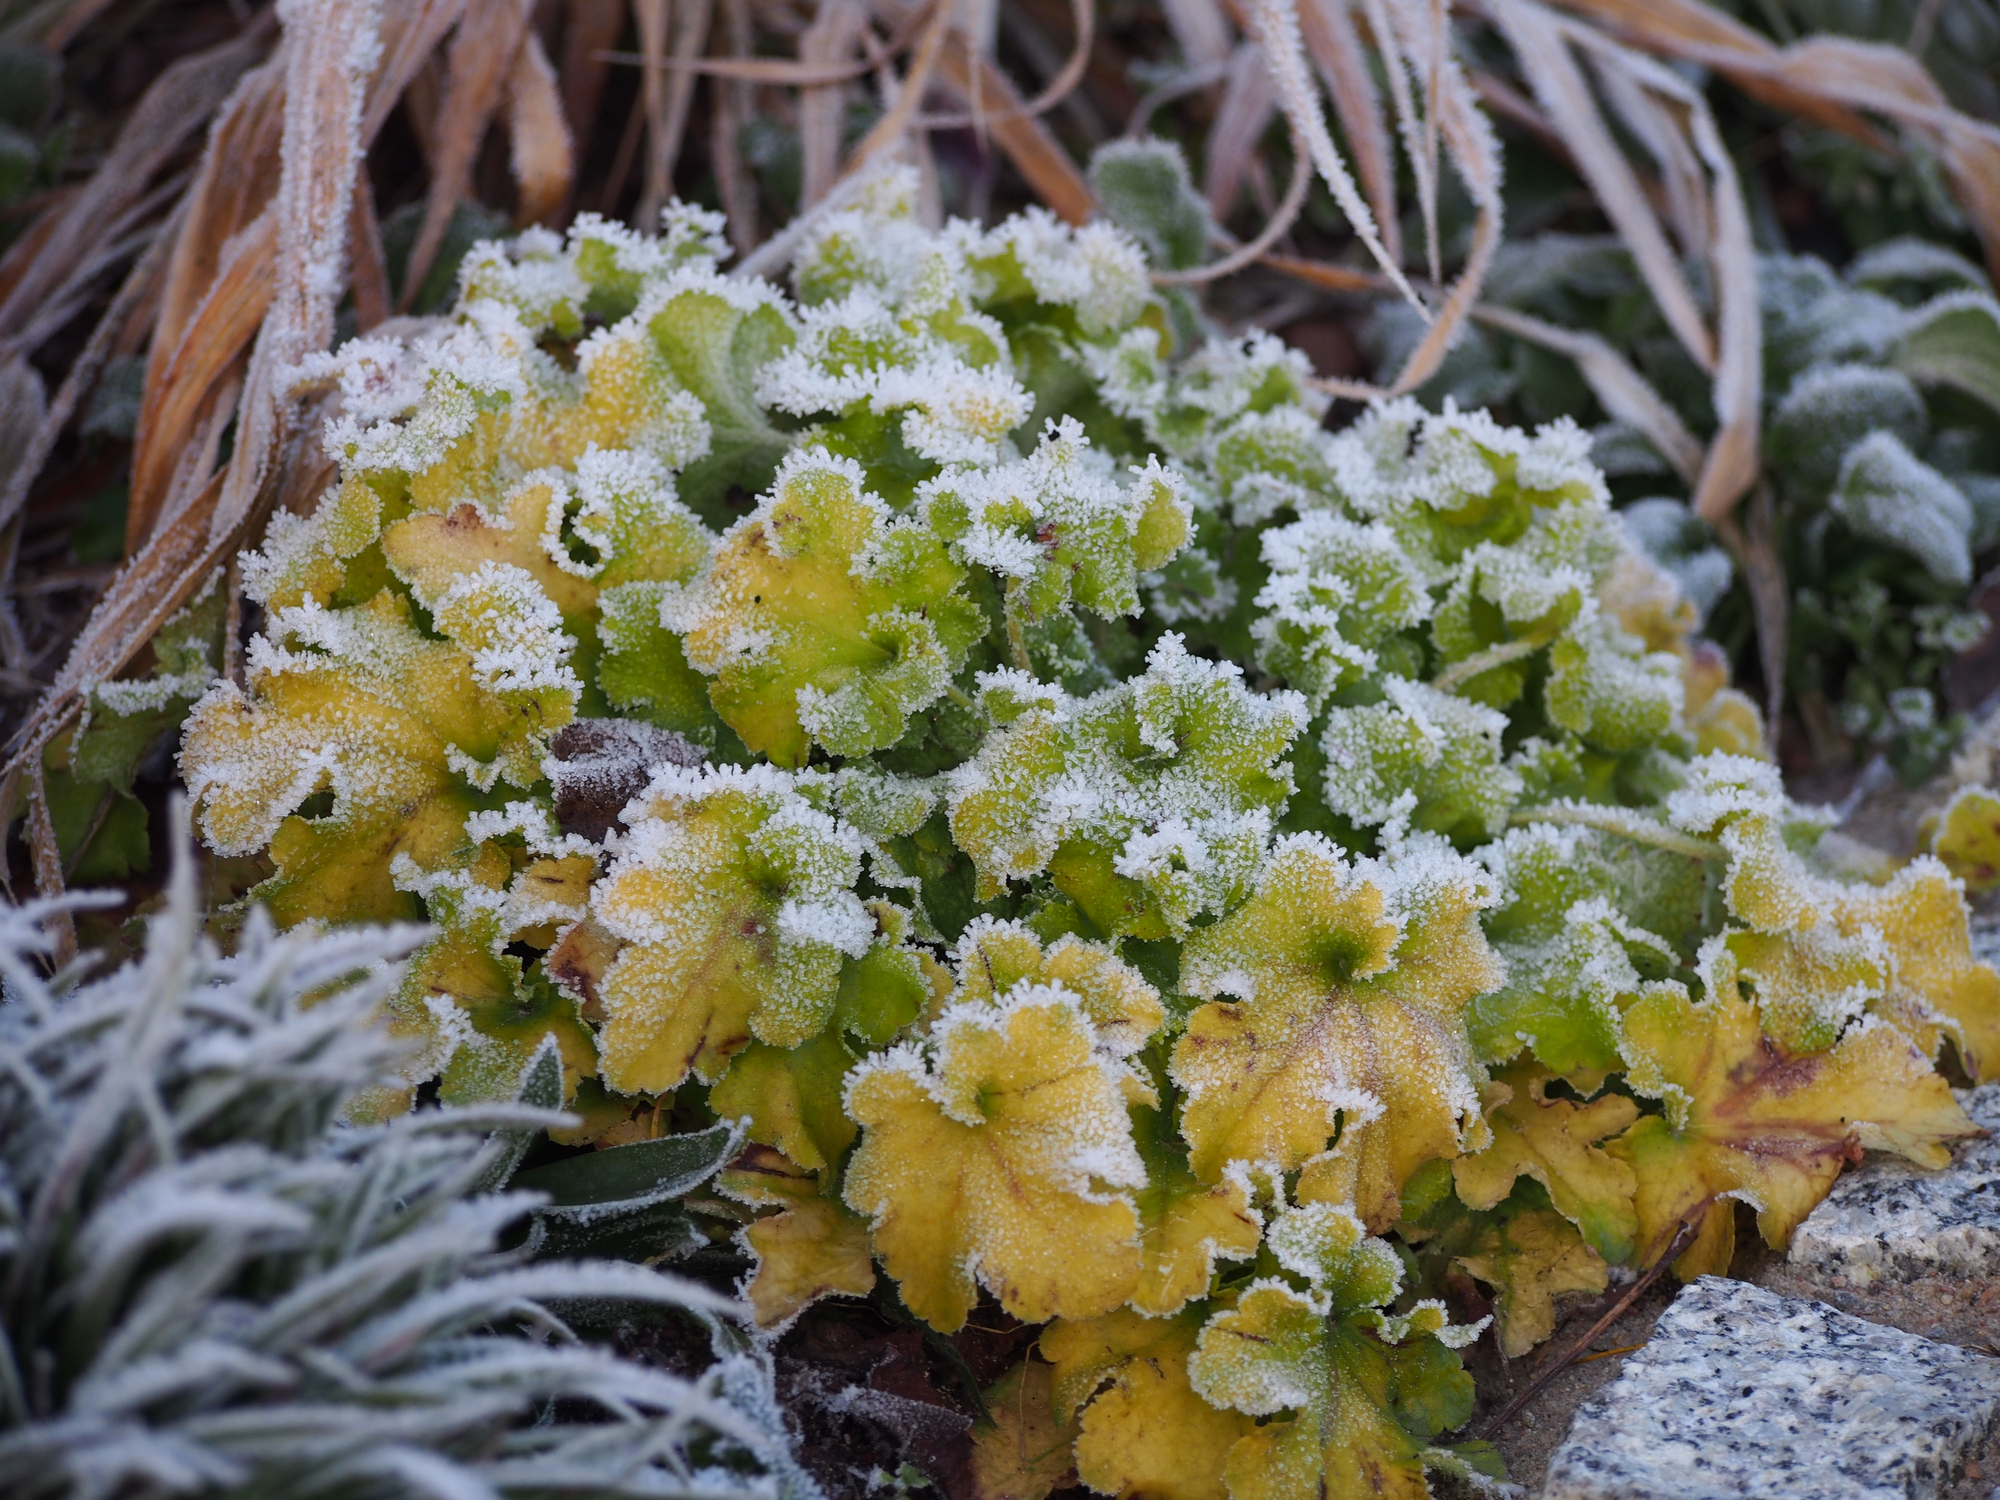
(735, 899)
(874, 241)
(1888, 494)
(250, 1339)
(1168, 782)
(1096, 273)
(859, 354)
(1337, 590)
(1417, 740)
(1062, 523)
(1085, 819)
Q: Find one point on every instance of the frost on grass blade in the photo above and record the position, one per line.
(240, 1232)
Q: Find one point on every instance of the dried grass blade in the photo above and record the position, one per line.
(1083, 21)
(326, 85)
(1651, 125)
(481, 58)
(1394, 41)
(1275, 25)
(827, 44)
(1330, 277)
(1699, 33)
(667, 122)
(234, 184)
(27, 249)
(1281, 220)
(1539, 46)
(1201, 28)
(1731, 466)
(1733, 457)
(132, 231)
(1620, 389)
(47, 858)
(1475, 154)
(1249, 100)
(411, 33)
(1755, 548)
(786, 72)
(1026, 140)
(180, 100)
(1888, 81)
(909, 94)
(69, 24)
(184, 396)
(734, 105)
(369, 269)
(590, 29)
(25, 464)
(1327, 27)
(543, 158)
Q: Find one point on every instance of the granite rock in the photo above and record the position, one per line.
(1889, 1220)
(1740, 1392)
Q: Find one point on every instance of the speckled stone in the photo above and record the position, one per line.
(1741, 1392)
(1889, 1220)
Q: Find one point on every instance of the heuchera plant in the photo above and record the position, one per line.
(1196, 879)
(1881, 383)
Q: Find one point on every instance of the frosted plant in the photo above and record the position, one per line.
(1107, 842)
(1879, 394)
(214, 1286)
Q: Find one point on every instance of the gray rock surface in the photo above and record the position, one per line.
(1740, 1392)
(1889, 1220)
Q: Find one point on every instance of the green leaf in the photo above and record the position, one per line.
(1829, 410)
(1954, 340)
(1144, 189)
(1887, 494)
(621, 1201)
(716, 335)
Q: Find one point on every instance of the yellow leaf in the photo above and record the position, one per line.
(734, 898)
(1530, 1259)
(1968, 837)
(993, 956)
(1145, 1433)
(791, 1096)
(1002, 1151)
(765, 1177)
(1553, 1141)
(814, 1249)
(823, 619)
(1828, 947)
(1746, 1120)
(479, 1014)
(360, 704)
(1352, 985)
(1185, 1225)
(1025, 1453)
